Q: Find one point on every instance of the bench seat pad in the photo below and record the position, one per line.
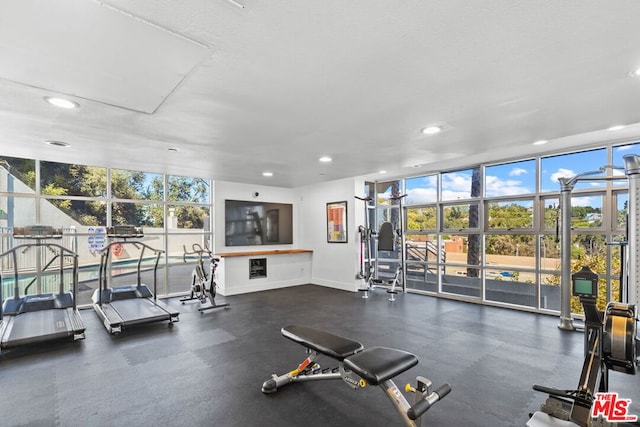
(378, 364)
(323, 342)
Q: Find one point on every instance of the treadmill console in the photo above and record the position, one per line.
(37, 232)
(125, 231)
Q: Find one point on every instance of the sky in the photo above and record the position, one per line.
(519, 178)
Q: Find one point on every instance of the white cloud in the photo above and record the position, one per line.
(495, 187)
(456, 182)
(595, 202)
(517, 172)
(421, 196)
(626, 147)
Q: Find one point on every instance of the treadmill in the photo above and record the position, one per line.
(126, 305)
(40, 316)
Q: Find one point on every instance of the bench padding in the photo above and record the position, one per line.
(378, 364)
(322, 342)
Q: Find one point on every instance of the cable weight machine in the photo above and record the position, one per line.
(385, 239)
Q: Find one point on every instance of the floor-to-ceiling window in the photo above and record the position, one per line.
(492, 232)
(174, 212)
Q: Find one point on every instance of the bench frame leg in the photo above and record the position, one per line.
(298, 375)
(399, 402)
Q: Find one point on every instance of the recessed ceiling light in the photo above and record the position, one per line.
(617, 127)
(540, 142)
(382, 171)
(58, 143)
(61, 102)
(267, 173)
(635, 73)
(173, 150)
(431, 130)
(325, 159)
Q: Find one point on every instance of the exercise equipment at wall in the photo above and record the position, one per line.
(126, 305)
(38, 315)
(359, 367)
(631, 288)
(203, 283)
(365, 234)
(610, 343)
(387, 239)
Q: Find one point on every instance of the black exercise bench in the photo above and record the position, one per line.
(358, 367)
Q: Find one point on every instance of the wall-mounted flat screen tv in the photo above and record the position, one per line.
(249, 223)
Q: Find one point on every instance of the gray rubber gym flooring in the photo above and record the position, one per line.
(207, 369)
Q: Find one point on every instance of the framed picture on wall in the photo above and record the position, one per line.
(337, 222)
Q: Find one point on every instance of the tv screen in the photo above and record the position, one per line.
(250, 223)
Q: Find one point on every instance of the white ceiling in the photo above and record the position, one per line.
(277, 84)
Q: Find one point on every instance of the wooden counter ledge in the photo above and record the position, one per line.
(257, 253)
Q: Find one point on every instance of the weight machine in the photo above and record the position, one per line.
(385, 239)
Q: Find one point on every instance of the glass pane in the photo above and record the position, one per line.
(17, 211)
(463, 249)
(551, 213)
(179, 243)
(460, 217)
(387, 214)
(462, 184)
(622, 209)
(586, 211)
(81, 211)
(134, 185)
(30, 282)
(461, 281)
(420, 219)
(510, 179)
(510, 214)
(516, 250)
(569, 165)
(550, 291)
(370, 190)
(511, 287)
(423, 248)
(422, 276)
(422, 190)
(17, 175)
(188, 189)
(615, 267)
(549, 253)
(63, 179)
(618, 153)
(183, 217)
(422, 256)
(590, 250)
(386, 190)
(138, 214)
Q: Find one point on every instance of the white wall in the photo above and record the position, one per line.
(334, 264)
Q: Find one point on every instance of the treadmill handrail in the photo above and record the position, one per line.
(105, 255)
(13, 252)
